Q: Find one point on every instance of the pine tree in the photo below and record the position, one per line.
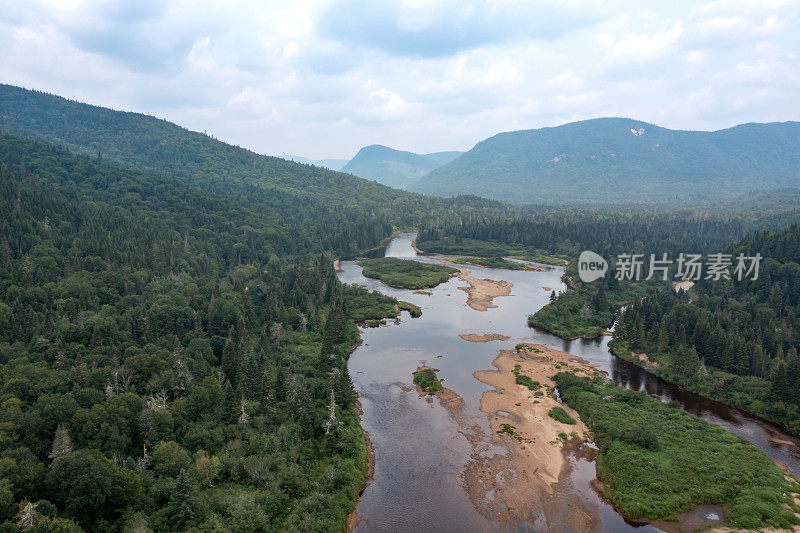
(663, 338)
(780, 383)
(230, 359)
(62, 444)
(181, 503)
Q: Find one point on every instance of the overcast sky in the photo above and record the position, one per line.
(321, 79)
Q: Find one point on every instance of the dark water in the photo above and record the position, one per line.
(421, 450)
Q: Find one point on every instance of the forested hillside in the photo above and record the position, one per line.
(153, 145)
(610, 231)
(620, 161)
(171, 358)
(396, 168)
(732, 340)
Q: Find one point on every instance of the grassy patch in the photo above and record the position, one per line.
(477, 248)
(427, 380)
(405, 274)
(657, 461)
(414, 310)
(527, 347)
(511, 431)
(560, 415)
(522, 379)
(363, 305)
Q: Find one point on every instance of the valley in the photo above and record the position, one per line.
(195, 336)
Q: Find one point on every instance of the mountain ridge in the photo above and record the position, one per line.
(594, 159)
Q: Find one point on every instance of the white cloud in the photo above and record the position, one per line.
(287, 78)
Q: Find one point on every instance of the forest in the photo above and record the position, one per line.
(173, 337)
(174, 358)
(732, 340)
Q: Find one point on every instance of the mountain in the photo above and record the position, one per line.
(395, 168)
(354, 213)
(150, 144)
(333, 164)
(621, 160)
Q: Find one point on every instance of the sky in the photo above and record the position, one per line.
(323, 78)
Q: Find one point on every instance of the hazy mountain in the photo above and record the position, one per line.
(616, 159)
(333, 164)
(395, 168)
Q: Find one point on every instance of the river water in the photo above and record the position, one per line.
(421, 449)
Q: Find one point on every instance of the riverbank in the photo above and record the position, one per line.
(353, 519)
(517, 487)
(657, 461)
(736, 400)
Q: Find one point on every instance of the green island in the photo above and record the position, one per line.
(427, 380)
(371, 308)
(404, 273)
(484, 249)
(657, 461)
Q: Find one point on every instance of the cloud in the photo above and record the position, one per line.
(322, 78)
(426, 29)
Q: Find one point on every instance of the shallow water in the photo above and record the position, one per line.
(421, 448)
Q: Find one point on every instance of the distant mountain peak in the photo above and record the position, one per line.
(621, 159)
(396, 168)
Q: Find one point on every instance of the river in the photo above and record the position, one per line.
(421, 449)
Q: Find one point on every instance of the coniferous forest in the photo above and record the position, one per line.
(174, 351)
(173, 336)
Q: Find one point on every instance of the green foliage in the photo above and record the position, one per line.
(404, 273)
(136, 309)
(524, 380)
(414, 310)
(733, 341)
(597, 160)
(492, 251)
(657, 461)
(491, 262)
(368, 305)
(427, 380)
(560, 415)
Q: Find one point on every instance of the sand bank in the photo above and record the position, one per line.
(487, 337)
(481, 292)
(523, 483)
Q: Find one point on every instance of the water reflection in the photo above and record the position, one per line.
(421, 450)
